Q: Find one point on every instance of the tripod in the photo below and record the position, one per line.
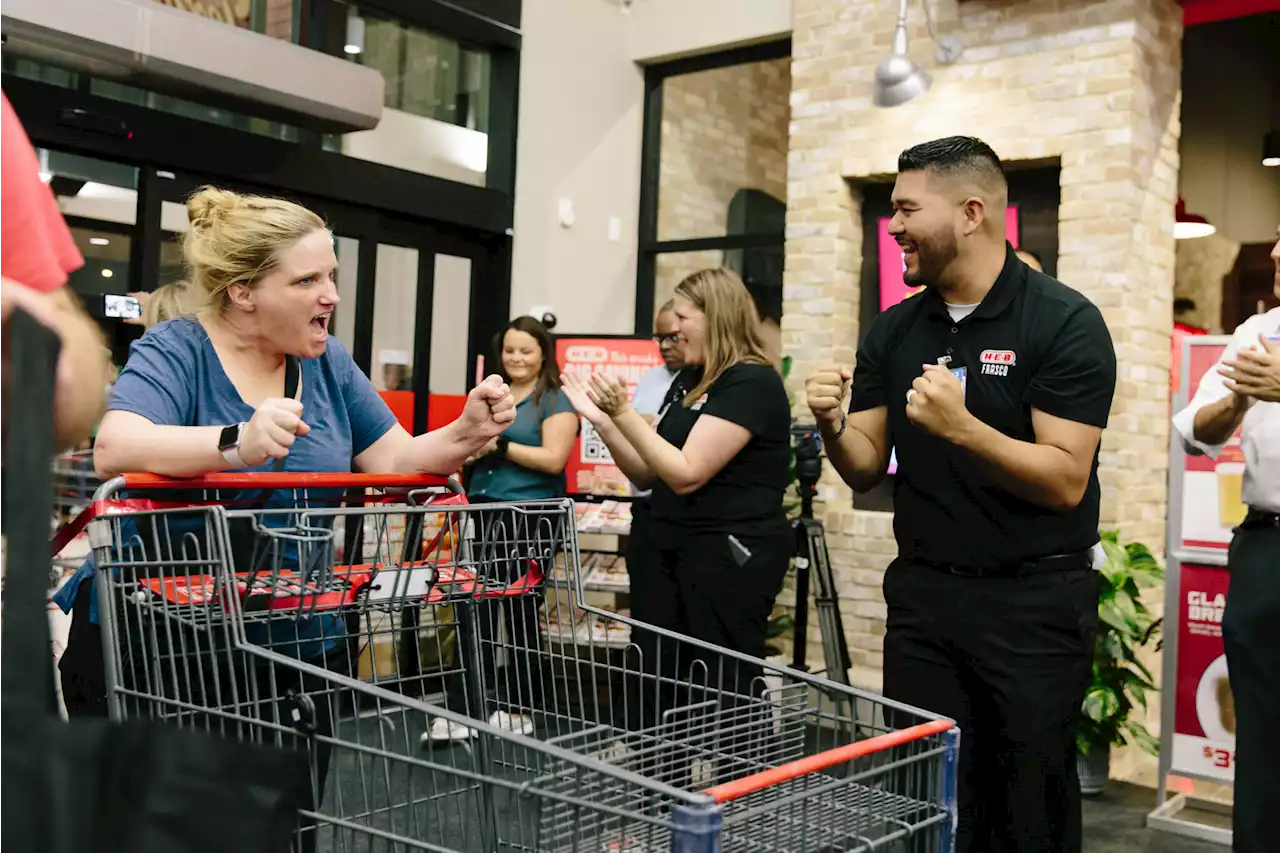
(809, 554)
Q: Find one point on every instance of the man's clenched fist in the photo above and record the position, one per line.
(827, 388)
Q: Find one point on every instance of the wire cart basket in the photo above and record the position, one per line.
(440, 665)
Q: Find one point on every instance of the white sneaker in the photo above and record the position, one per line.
(515, 723)
(446, 730)
(616, 753)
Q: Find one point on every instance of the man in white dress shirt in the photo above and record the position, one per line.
(1242, 391)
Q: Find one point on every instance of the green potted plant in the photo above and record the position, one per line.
(1120, 682)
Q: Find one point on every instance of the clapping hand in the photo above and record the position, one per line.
(609, 394)
(575, 388)
(1255, 372)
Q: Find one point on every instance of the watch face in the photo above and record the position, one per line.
(229, 437)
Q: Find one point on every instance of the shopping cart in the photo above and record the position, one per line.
(356, 624)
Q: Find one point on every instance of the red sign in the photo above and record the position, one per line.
(1212, 505)
(893, 289)
(1204, 719)
(591, 470)
(443, 409)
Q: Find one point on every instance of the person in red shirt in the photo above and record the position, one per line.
(1182, 309)
(37, 253)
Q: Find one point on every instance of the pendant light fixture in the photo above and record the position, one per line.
(1271, 149)
(1188, 226)
(354, 44)
(899, 78)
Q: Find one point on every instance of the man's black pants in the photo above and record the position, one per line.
(1009, 659)
(1251, 634)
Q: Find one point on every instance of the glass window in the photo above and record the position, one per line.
(426, 74)
(89, 188)
(106, 262)
(27, 69)
(394, 313)
(436, 97)
(344, 318)
(450, 325)
(724, 131)
(192, 110)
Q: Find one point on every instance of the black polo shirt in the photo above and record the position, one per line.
(744, 497)
(1032, 343)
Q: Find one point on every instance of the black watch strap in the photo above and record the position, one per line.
(229, 437)
(844, 423)
(503, 444)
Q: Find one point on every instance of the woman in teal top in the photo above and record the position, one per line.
(526, 463)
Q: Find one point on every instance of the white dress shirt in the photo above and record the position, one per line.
(650, 392)
(1260, 431)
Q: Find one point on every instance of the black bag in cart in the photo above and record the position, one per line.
(91, 785)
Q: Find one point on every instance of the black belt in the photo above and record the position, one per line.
(1259, 519)
(1052, 564)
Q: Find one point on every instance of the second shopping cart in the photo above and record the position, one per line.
(353, 624)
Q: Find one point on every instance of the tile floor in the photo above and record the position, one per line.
(1115, 822)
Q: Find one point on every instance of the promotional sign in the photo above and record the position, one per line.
(1210, 488)
(1204, 719)
(591, 470)
(893, 289)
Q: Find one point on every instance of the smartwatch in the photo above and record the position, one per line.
(229, 445)
(503, 443)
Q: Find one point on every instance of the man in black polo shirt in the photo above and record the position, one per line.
(994, 385)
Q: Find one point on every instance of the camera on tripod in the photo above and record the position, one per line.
(811, 559)
(807, 443)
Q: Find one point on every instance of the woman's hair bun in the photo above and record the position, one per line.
(208, 205)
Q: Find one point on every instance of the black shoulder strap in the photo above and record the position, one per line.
(292, 378)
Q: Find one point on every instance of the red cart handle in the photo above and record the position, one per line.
(286, 480)
(251, 480)
(739, 788)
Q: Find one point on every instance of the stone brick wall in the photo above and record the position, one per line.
(1202, 263)
(1093, 84)
(723, 130)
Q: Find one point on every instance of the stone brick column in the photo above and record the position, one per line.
(1095, 85)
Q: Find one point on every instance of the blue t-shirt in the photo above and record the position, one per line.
(503, 480)
(174, 377)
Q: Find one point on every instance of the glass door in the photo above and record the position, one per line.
(99, 200)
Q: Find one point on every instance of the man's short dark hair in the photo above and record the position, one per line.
(959, 156)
